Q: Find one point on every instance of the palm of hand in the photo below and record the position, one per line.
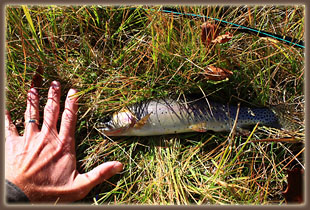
(42, 162)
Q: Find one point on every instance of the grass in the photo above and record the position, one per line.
(116, 56)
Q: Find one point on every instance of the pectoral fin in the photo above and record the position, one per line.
(142, 122)
(199, 127)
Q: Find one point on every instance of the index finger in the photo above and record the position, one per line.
(68, 120)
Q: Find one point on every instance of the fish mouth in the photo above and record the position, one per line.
(106, 124)
(108, 127)
(110, 130)
(117, 123)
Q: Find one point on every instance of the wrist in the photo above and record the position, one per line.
(14, 194)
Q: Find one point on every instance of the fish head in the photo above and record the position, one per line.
(119, 122)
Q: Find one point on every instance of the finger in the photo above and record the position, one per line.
(100, 174)
(68, 120)
(32, 110)
(10, 129)
(51, 110)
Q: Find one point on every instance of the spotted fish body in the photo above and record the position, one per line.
(159, 117)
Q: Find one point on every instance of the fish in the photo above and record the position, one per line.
(169, 116)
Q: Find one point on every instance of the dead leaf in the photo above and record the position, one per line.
(216, 73)
(294, 190)
(37, 78)
(222, 38)
(209, 32)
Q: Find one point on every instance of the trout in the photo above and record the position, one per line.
(167, 116)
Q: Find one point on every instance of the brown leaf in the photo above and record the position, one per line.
(37, 78)
(294, 190)
(209, 32)
(216, 73)
(222, 38)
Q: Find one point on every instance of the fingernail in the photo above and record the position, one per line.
(32, 94)
(118, 167)
(33, 91)
(71, 93)
(55, 85)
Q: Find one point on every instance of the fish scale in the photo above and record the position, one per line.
(167, 116)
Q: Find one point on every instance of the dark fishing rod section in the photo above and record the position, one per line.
(286, 39)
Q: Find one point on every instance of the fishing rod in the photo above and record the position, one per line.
(289, 40)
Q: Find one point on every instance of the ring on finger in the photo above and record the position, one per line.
(33, 121)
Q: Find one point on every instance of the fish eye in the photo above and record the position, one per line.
(107, 119)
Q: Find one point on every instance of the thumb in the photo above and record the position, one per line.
(101, 173)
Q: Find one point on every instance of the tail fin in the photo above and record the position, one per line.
(288, 117)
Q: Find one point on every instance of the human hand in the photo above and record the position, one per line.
(42, 163)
